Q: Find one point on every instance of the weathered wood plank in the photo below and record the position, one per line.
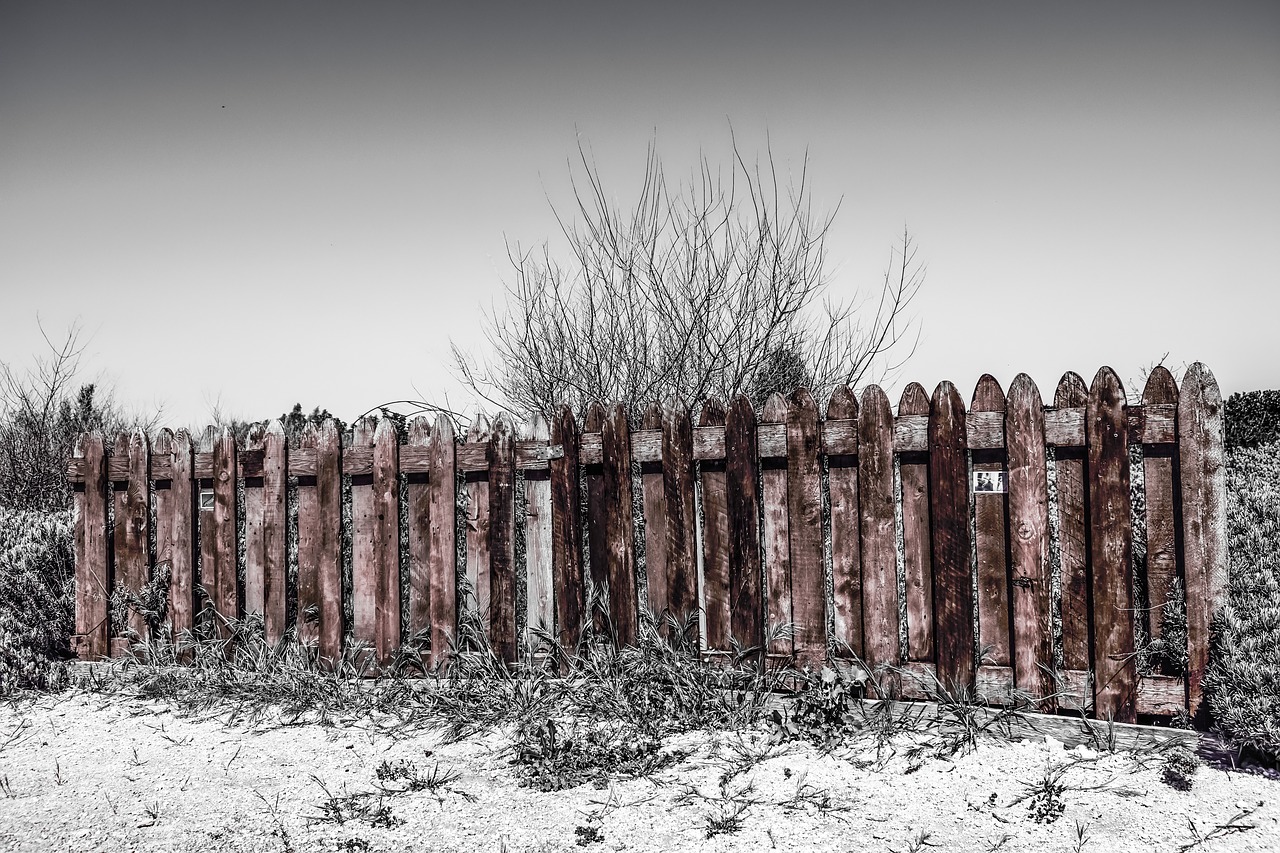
(364, 539)
(540, 609)
(1064, 424)
(133, 524)
(653, 497)
(991, 541)
(804, 503)
(840, 435)
(881, 643)
(715, 540)
(846, 543)
(746, 603)
(917, 547)
(1110, 537)
(275, 466)
(1029, 540)
(1073, 544)
(502, 538)
(176, 526)
(771, 440)
(418, 496)
(616, 468)
(386, 542)
(477, 488)
(566, 532)
(218, 532)
(911, 433)
(1159, 483)
(93, 571)
(985, 429)
(442, 571)
(310, 604)
(255, 581)
(681, 525)
(1201, 464)
(949, 508)
(328, 535)
(597, 521)
(777, 549)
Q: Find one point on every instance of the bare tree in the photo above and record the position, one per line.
(713, 287)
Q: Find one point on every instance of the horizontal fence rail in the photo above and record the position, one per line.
(989, 547)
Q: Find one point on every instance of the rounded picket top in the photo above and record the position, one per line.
(537, 429)
(1161, 387)
(329, 435)
(275, 429)
(801, 400)
(914, 400)
(503, 428)
(988, 396)
(1025, 395)
(385, 430)
(479, 431)
(1108, 387)
(1071, 392)
(419, 427)
(256, 437)
(741, 410)
(162, 444)
(363, 431)
(594, 420)
(443, 427)
(775, 409)
(843, 404)
(947, 418)
(674, 408)
(712, 413)
(652, 418)
(120, 447)
(565, 426)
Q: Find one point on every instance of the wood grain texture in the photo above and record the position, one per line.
(442, 555)
(1110, 538)
(132, 522)
(1159, 483)
(881, 640)
(846, 539)
(566, 532)
(681, 526)
(176, 525)
(1073, 524)
(949, 509)
(597, 525)
(540, 609)
(654, 499)
(328, 533)
(502, 539)
(1201, 463)
(364, 541)
(615, 436)
(746, 604)
(309, 601)
(386, 542)
(991, 541)
(1029, 540)
(218, 536)
(255, 582)
(917, 546)
(715, 540)
(275, 466)
(804, 503)
(477, 489)
(418, 496)
(93, 571)
(777, 538)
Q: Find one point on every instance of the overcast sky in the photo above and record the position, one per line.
(256, 204)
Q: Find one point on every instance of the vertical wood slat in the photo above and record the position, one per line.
(539, 591)
(804, 504)
(309, 599)
(255, 581)
(615, 450)
(477, 487)
(1073, 542)
(218, 532)
(365, 579)
(175, 527)
(949, 509)
(715, 539)
(991, 540)
(1110, 536)
(746, 619)
(777, 537)
(418, 496)
(917, 548)
(881, 642)
(93, 571)
(502, 538)
(653, 497)
(681, 511)
(1029, 539)
(566, 531)
(846, 550)
(132, 523)
(597, 528)
(442, 555)
(1159, 480)
(327, 531)
(275, 468)
(386, 542)
(1201, 464)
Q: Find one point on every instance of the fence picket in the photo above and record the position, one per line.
(93, 576)
(715, 539)
(615, 449)
(746, 619)
(949, 509)
(917, 548)
(777, 537)
(566, 531)
(502, 538)
(991, 540)
(442, 554)
(365, 571)
(218, 530)
(653, 496)
(804, 497)
(418, 498)
(175, 524)
(681, 549)
(255, 581)
(386, 540)
(275, 467)
(1071, 395)
(477, 486)
(1110, 525)
(881, 643)
(539, 591)
(1159, 480)
(846, 550)
(328, 544)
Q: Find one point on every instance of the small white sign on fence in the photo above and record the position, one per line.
(990, 481)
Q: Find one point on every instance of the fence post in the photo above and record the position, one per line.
(93, 575)
(949, 508)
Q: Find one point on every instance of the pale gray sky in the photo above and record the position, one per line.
(262, 204)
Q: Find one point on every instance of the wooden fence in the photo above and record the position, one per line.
(746, 517)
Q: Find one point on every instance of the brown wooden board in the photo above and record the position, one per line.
(881, 642)
(1202, 468)
(93, 571)
(1110, 528)
(804, 503)
(777, 538)
(309, 601)
(566, 531)
(715, 540)
(1159, 482)
(991, 540)
(175, 526)
(653, 489)
(917, 547)
(133, 524)
(442, 556)
(681, 511)
(477, 488)
(540, 608)
(597, 526)
(746, 604)
(1073, 541)
(364, 539)
(418, 496)
(502, 539)
(949, 511)
(328, 548)
(386, 543)
(615, 440)
(275, 468)
(255, 581)
(1029, 540)
(218, 533)
(846, 550)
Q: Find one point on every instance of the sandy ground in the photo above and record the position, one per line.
(91, 772)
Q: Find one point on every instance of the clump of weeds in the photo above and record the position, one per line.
(1179, 769)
